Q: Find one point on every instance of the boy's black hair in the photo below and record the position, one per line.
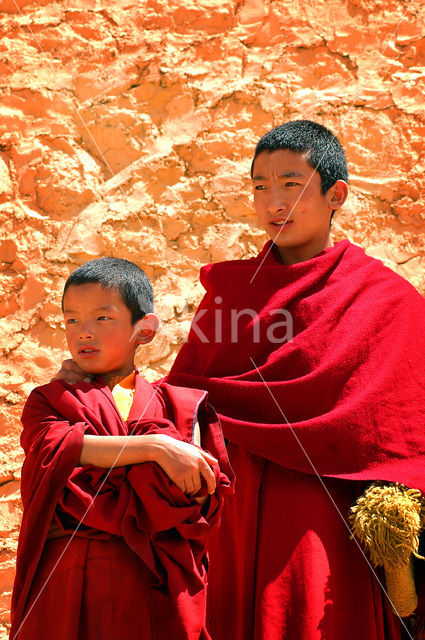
(121, 275)
(322, 148)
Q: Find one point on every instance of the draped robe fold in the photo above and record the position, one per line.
(132, 520)
(317, 373)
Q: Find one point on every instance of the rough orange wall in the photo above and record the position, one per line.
(127, 128)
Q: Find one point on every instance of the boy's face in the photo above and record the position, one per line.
(99, 330)
(290, 204)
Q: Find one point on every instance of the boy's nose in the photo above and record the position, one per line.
(85, 333)
(277, 205)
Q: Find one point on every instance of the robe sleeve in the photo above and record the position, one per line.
(52, 449)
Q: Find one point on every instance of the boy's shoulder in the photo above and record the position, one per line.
(55, 383)
(184, 398)
(47, 390)
(59, 396)
(182, 404)
(55, 387)
(345, 264)
(378, 274)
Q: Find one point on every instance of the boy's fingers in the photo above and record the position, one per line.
(209, 458)
(70, 377)
(71, 372)
(196, 485)
(71, 365)
(188, 487)
(65, 375)
(209, 477)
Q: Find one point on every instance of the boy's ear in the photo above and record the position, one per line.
(145, 329)
(338, 194)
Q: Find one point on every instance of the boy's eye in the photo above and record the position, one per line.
(259, 187)
(71, 321)
(103, 318)
(292, 184)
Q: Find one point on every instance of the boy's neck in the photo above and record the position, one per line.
(112, 379)
(293, 255)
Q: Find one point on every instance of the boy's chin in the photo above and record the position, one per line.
(90, 368)
(285, 243)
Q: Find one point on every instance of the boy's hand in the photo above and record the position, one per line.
(71, 373)
(185, 464)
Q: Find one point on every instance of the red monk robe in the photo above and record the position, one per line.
(351, 384)
(136, 566)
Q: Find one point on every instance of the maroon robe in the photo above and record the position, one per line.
(309, 420)
(133, 564)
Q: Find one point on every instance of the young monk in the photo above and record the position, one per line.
(313, 355)
(111, 548)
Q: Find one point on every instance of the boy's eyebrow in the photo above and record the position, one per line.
(108, 307)
(287, 174)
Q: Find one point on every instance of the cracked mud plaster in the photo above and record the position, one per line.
(127, 129)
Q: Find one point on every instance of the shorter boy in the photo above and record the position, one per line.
(111, 548)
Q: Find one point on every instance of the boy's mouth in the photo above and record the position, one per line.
(280, 223)
(87, 350)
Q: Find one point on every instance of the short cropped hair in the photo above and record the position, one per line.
(120, 275)
(322, 148)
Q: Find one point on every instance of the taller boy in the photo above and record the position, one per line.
(308, 419)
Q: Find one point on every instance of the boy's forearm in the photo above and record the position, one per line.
(184, 464)
(116, 451)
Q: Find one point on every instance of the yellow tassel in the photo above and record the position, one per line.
(388, 519)
(401, 589)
